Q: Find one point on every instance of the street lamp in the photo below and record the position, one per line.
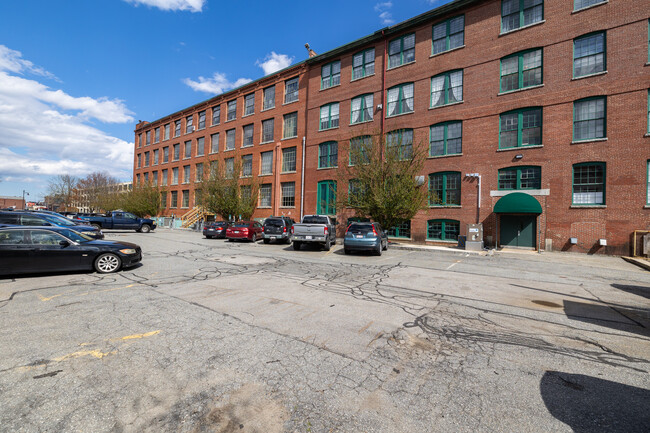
(24, 193)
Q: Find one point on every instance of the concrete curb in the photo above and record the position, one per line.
(645, 264)
(414, 247)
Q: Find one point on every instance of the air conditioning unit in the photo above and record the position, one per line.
(419, 180)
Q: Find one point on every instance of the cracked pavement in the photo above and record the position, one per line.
(213, 336)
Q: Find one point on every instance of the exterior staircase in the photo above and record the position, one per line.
(195, 214)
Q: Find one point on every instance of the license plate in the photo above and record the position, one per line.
(236, 231)
(272, 238)
(210, 230)
(359, 236)
(307, 237)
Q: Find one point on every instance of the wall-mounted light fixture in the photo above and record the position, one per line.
(519, 156)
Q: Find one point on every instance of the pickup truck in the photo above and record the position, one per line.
(121, 220)
(314, 229)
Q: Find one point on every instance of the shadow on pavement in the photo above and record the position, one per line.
(636, 290)
(622, 318)
(590, 404)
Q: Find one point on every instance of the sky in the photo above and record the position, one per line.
(77, 75)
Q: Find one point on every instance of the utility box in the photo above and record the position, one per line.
(474, 237)
(646, 245)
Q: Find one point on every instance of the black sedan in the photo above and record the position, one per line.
(215, 229)
(27, 249)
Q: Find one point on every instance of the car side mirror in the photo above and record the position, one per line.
(64, 243)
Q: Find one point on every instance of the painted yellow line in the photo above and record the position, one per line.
(137, 336)
(365, 327)
(94, 353)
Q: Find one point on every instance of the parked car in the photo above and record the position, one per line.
(22, 218)
(277, 229)
(251, 230)
(365, 237)
(31, 249)
(215, 229)
(317, 229)
(121, 220)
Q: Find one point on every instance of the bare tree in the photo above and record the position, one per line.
(62, 190)
(95, 190)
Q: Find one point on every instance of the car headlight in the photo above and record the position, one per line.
(128, 251)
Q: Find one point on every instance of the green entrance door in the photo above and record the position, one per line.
(518, 230)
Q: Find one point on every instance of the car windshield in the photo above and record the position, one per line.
(60, 221)
(240, 225)
(313, 219)
(274, 223)
(75, 236)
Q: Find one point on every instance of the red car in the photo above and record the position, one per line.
(250, 230)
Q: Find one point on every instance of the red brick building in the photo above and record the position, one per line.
(544, 103)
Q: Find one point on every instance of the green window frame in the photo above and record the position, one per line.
(590, 118)
(329, 116)
(361, 109)
(520, 177)
(520, 128)
(447, 88)
(360, 148)
(402, 140)
(363, 64)
(443, 230)
(401, 50)
(330, 75)
(447, 35)
(583, 4)
(589, 182)
(326, 197)
(648, 111)
(521, 70)
(328, 154)
(444, 188)
(520, 13)
(402, 230)
(446, 138)
(648, 182)
(589, 54)
(400, 99)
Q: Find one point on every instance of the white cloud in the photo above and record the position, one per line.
(44, 132)
(384, 14)
(172, 5)
(217, 84)
(274, 62)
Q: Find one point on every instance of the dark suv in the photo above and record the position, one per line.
(23, 218)
(277, 229)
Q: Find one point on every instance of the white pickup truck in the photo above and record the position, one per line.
(314, 229)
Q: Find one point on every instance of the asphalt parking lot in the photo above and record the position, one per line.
(212, 336)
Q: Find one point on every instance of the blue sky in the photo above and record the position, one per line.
(77, 75)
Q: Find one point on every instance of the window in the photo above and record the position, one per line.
(154, 178)
(214, 143)
(444, 189)
(290, 125)
(146, 159)
(448, 35)
(230, 167)
(288, 194)
(163, 177)
(520, 128)
(326, 197)
(247, 166)
(247, 139)
(155, 156)
(265, 195)
(216, 115)
(163, 199)
(400, 99)
(232, 110)
(202, 119)
(580, 4)
(362, 109)
(267, 163)
(589, 183)
(402, 230)
(156, 135)
(140, 140)
(166, 133)
(146, 178)
(230, 139)
(288, 159)
(186, 198)
(174, 199)
(443, 230)
(177, 150)
(291, 90)
(165, 154)
(137, 179)
(187, 152)
(186, 174)
(400, 141)
(447, 88)
(148, 138)
(513, 178)
(329, 116)
(363, 64)
(360, 148)
(249, 104)
(139, 160)
(589, 119)
(589, 55)
(268, 130)
(648, 186)
(189, 124)
(401, 51)
(330, 75)
(245, 192)
(200, 146)
(520, 13)
(446, 139)
(177, 128)
(175, 176)
(269, 98)
(521, 70)
(328, 154)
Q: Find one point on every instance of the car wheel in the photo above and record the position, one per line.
(254, 238)
(266, 241)
(378, 250)
(107, 263)
(231, 240)
(145, 228)
(328, 245)
(296, 246)
(386, 246)
(97, 226)
(346, 251)
(287, 240)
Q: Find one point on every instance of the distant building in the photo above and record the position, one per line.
(82, 197)
(11, 202)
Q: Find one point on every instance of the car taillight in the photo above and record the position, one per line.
(348, 229)
(291, 230)
(245, 229)
(325, 229)
(374, 231)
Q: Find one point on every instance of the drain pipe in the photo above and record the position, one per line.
(302, 180)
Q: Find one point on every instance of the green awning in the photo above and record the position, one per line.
(518, 202)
